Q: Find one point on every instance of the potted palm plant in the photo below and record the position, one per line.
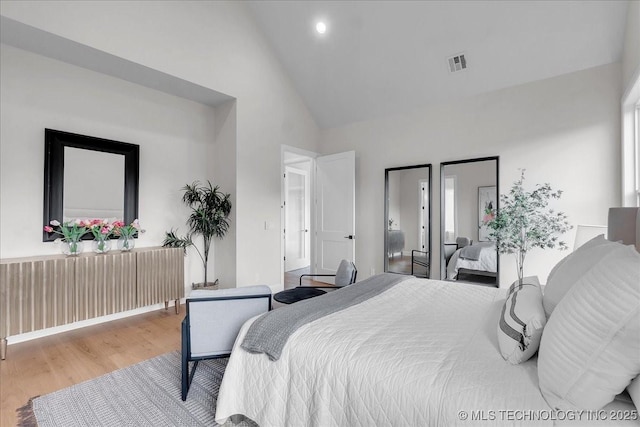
(525, 221)
(209, 217)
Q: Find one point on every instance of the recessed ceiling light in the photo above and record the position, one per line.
(321, 27)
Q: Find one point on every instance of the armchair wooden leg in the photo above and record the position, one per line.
(166, 305)
(177, 306)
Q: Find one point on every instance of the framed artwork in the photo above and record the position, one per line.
(487, 202)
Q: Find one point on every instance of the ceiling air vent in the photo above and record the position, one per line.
(457, 63)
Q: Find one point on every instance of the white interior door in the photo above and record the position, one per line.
(297, 218)
(335, 211)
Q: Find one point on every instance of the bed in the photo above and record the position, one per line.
(420, 353)
(482, 260)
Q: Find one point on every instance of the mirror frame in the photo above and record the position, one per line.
(54, 143)
(443, 266)
(386, 208)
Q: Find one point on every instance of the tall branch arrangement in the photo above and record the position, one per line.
(525, 221)
(210, 209)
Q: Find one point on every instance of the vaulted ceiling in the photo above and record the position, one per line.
(380, 58)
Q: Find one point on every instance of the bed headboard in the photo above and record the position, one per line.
(624, 225)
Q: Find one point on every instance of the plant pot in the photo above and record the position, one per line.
(205, 286)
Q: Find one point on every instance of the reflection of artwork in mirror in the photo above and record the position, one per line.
(94, 185)
(407, 233)
(487, 199)
(88, 177)
(468, 188)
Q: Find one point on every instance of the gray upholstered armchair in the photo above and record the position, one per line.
(345, 275)
(213, 321)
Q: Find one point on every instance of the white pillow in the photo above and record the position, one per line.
(590, 349)
(570, 269)
(521, 321)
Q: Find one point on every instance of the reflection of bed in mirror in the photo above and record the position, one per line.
(476, 262)
(469, 188)
(395, 242)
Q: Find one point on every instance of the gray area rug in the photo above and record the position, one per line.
(145, 394)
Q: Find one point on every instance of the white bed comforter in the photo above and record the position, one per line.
(416, 355)
(487, 261)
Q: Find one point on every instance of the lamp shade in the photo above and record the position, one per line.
(584, 233)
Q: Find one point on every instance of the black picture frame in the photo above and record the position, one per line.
(54, 143)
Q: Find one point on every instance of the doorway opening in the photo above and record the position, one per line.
(297, 216)
(317, 213)
(297, 225)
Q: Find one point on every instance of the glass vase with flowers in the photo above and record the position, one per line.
(127, 234)
(101, 229)
(71, 232)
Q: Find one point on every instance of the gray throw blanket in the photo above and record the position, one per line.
(472, 252)
(269, 333)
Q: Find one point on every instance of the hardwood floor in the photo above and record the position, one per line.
(402, 264)
(291, 278)
(51, 363)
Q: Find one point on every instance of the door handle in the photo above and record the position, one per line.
(350, 237)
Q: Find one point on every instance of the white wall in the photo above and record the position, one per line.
(564, 130)
(174, 135)
(216, 45)
(224, 174)
(631, 49)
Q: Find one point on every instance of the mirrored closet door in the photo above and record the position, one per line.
(468, 192)
(407, 225)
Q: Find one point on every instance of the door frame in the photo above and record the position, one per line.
(312, 220)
